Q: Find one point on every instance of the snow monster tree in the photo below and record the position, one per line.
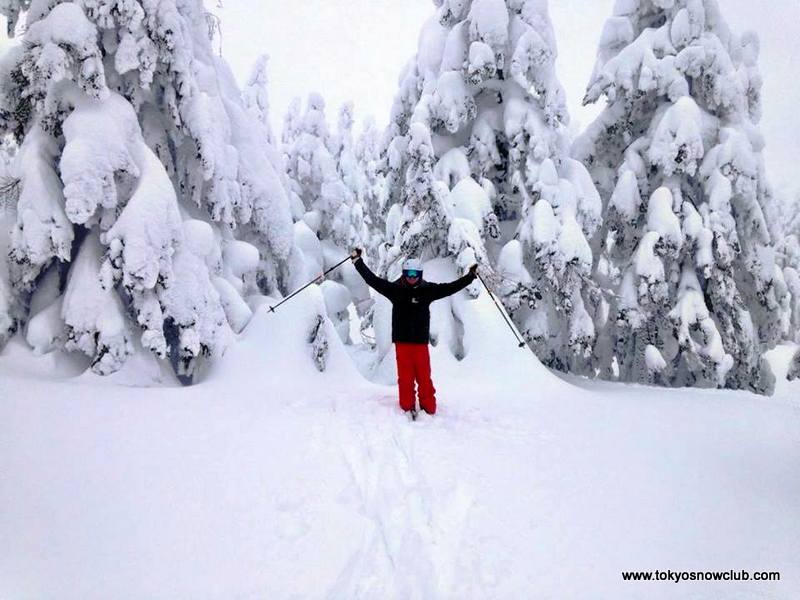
(790, 255)
(312, 156)
(372, 187)
(137, 163)
(484, 83)
(685, 251)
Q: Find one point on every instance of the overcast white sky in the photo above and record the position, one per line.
(355, 49)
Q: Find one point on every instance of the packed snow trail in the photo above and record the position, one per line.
(395, 501)
(274, 480)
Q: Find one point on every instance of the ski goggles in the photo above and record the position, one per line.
(412, 274)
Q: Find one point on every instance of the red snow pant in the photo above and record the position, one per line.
(414, 366)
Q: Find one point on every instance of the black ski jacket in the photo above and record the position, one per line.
(411, 315)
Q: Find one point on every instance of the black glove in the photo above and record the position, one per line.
(355, 254)
(473, 270)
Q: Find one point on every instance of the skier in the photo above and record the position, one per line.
(411, 297)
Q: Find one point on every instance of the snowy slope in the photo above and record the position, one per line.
(272, 480)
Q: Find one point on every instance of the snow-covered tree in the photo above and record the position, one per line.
(256, 95)
(137, 163)
(685, 251)
(280, 265)
(546, 269)
(342, 146)
(330, 208)
(292, 122)
(323, 171)
(794, 367)
(372, 194)
(350, 214)
(483, 83)
(421, 220)
(9, 190)
(789, 255)
(425, 224)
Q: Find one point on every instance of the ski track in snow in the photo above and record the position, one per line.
(414, 533)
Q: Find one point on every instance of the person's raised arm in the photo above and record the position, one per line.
(437, 291)
(382, 286)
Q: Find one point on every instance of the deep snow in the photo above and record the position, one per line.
(272, 480)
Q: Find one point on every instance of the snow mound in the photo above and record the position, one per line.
(273, 354)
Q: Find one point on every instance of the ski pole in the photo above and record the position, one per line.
(292, 295)
(502, 312)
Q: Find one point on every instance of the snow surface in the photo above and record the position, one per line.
(271, 479)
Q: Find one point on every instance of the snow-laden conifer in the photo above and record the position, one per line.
(373, 192)
(483, 84)
(9, 190)
(311, 151)
(256, 95)
(138, 163)
(686, 252)
(789, 254)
